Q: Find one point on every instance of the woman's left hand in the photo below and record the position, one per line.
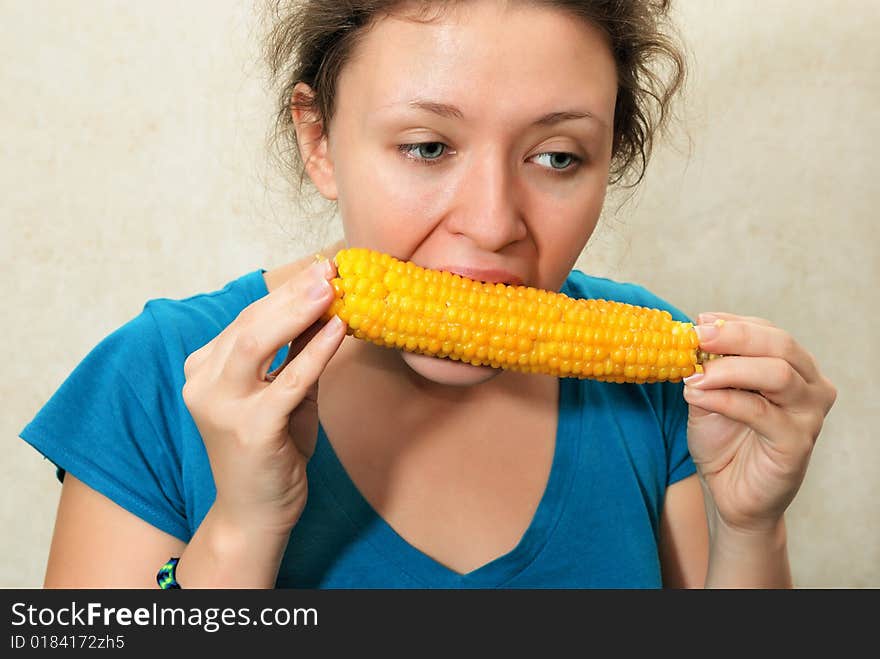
(755, 415)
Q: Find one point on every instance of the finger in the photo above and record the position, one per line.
(295, 347)
(299, 342)
(276, 304)
(748, 339)
(292, 385)
(263, 329)
(709, 317)
(775, 379)
(752, 409)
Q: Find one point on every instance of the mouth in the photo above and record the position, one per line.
(487, 275)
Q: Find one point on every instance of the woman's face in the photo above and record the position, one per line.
(477, 143)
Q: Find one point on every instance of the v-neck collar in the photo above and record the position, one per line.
(496, 573)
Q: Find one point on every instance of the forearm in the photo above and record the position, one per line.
(748, 560)
(221, 555)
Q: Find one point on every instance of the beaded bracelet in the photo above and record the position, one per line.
(166, 577)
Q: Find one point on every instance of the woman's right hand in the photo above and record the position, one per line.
(259, 434)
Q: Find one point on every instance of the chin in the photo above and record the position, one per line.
(448, 371)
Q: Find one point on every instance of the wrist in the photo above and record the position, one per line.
(771, 537)
(749, 558)
(235, 526)
(223, 554)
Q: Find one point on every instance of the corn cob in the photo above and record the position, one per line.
(401, 305)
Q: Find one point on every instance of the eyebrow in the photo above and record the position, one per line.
(452, 112)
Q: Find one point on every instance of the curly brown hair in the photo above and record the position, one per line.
(310, 41)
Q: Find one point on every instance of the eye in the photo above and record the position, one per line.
(559, 160)
(426, 152)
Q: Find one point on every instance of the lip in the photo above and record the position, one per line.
(490, 275)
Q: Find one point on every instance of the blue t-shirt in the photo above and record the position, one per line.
(119, 424)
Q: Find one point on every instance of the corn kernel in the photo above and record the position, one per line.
(404, 306)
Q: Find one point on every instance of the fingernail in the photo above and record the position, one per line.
(318, 290)
(321, 268)
(691, 392)
(332, 328)
(691, 379)
(706, 318)
(706, 332)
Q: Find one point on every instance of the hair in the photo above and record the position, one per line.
(310, 41)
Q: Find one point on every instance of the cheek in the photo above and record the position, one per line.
(386, 202)
(563, 222)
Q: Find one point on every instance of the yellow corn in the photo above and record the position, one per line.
(401, 305)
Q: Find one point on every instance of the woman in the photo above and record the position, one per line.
(476, 137)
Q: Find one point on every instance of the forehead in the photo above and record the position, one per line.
(484, 50)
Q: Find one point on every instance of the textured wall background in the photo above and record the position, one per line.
(133, 166)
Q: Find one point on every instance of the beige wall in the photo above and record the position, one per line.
(133, 167)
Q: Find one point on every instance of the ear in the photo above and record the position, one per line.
(312, 140)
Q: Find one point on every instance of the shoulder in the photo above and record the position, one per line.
(581, 285)
(150, 348)
(200, 317)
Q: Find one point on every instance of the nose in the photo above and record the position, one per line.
(487, 210)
